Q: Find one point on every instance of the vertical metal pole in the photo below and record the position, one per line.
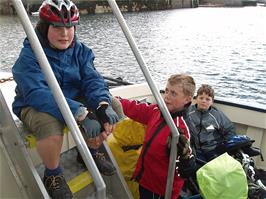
(60, 99)
(157, 95)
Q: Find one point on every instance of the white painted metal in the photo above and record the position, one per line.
(249, 122)
(60, 99)
(14, 153)
(156, 94)
(116, 184)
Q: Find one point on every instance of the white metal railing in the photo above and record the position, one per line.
(156, 93)
(60, 100)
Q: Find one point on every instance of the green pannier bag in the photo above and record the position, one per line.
(222, 178)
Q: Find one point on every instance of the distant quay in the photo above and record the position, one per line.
(227, 3)
(102, 6)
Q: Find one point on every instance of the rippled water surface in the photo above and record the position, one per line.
(225, 47)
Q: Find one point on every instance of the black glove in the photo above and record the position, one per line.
(183, 149)
(90, 126)
(183, 146)
(186, 167)
(105, 113)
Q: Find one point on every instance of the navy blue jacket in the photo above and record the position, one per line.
(208, 128)
(74, 71)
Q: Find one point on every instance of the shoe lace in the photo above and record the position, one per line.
(55, 182)
(100, 156)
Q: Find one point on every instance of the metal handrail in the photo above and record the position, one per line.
(155, 91)
(60, 100)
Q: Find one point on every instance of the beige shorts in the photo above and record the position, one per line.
(41, 124)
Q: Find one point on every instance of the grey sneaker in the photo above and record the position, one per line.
(105, 167)
(57, 187)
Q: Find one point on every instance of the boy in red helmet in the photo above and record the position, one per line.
(72, 64)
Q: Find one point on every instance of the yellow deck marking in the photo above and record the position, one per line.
(79, 182)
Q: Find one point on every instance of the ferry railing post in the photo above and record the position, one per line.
(60, 100)
(157, 95)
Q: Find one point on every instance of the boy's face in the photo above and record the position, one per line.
(60, 37)
(204, 101)
(174, 98)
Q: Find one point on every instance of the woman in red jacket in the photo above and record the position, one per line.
(152, 166)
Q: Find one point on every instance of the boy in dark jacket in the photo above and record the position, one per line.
(209, 127)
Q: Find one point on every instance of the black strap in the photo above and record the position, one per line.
(147, 146)
(131, 147)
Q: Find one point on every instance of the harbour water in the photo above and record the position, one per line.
(224, 47)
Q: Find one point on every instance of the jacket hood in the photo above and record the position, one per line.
(45, 43)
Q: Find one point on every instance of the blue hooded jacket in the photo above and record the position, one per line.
(74, 71)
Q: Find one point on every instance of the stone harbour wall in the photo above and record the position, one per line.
(227, 3)
(102, 6)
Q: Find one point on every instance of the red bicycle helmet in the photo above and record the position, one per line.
(59, 13)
